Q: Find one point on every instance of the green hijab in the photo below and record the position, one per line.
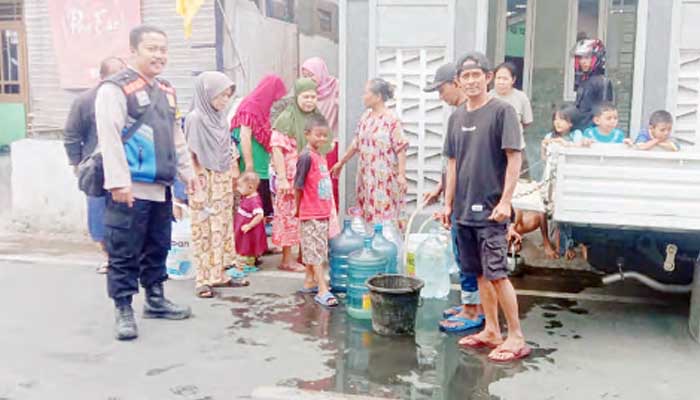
(292, 120)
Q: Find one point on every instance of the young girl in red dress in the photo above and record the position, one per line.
(251, 241)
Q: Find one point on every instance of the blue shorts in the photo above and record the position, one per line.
(96, 217)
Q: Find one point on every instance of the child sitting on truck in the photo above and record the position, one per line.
(605, 129)
(657, 135)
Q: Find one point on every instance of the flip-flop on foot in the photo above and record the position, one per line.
(524, 352)
(327, 300)
(465, 324)
(310, 290)
(473, 342)
(451, 312)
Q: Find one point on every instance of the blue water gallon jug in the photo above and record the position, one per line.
(340, 249)
(388, 249)
(362, 265)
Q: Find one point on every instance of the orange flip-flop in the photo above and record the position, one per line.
(524, 352)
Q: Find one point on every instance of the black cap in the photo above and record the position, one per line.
(478, 60)
(444, 74)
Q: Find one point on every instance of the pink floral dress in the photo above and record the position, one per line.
(379, 140)
(285, 226)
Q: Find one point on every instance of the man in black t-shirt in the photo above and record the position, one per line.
(483, 148)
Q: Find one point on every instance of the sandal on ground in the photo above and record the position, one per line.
(233, 283)
(473, 342)
(292, 267)
(327, 300)
(250, 268)
(465, 324)
(310, 290)
(102, 269)
(524, 352)
(236, 273)
(205, 292)
(451, 312)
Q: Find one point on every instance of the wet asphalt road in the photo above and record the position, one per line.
(56, 343)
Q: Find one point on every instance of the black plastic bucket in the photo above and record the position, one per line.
(395, 300)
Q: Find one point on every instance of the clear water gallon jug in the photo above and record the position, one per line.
(432, 266)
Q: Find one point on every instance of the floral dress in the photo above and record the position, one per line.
(285, 225)
(379, 141)
(212, 225)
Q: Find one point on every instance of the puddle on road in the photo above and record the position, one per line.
(429, 365)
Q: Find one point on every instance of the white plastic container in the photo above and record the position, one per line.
(179, 264)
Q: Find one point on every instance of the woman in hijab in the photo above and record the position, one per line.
(287, 141)
(252, 131)
(215, 160)
(328, 93)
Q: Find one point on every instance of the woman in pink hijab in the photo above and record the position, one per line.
(251, 131)
(328, 93)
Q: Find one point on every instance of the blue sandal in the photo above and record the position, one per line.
(456, 309)
(250, 268)
(310, 290)
(236, 273)
(465, 324)
(327, 300)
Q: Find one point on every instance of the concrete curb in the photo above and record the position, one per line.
(283, 393)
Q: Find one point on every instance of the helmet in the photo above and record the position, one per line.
(593, 48)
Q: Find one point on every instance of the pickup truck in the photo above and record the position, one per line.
(637, 213)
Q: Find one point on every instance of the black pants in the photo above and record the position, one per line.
(137, 240)
(266, 197)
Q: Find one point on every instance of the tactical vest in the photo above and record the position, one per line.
(150, 152)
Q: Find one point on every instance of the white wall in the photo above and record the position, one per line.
(45, 195)
(319, 46)
(264, 46)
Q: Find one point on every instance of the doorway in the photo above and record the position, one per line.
(538, 37)
(13, 73)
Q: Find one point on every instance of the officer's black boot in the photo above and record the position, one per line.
(125, 324)
(157, 306)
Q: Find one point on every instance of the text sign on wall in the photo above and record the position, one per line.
(87, 31)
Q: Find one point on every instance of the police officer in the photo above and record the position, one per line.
(143, 148)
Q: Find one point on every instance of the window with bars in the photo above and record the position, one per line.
(10, 10)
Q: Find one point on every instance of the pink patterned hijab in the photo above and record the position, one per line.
(328, 90)
(254, 110)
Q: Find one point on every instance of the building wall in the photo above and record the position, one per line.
(257, 46)
(658, 53)
(356, 59)
(319, 46)
(49, 103)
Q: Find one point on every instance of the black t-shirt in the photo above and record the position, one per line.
(477, 140)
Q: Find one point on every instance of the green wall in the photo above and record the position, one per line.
(12, 123)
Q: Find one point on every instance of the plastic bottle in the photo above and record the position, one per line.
(386, 248)
(432, 266)
(340, 249)
(393, 234)
(358, 224)
(362, 265)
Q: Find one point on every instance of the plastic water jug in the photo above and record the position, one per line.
(386, 248)
(358, 223)
(341, 247)
(179, 263)
(393, 234)
(362, 265)
(432, 264)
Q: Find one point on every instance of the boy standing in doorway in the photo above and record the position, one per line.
(484, 151)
